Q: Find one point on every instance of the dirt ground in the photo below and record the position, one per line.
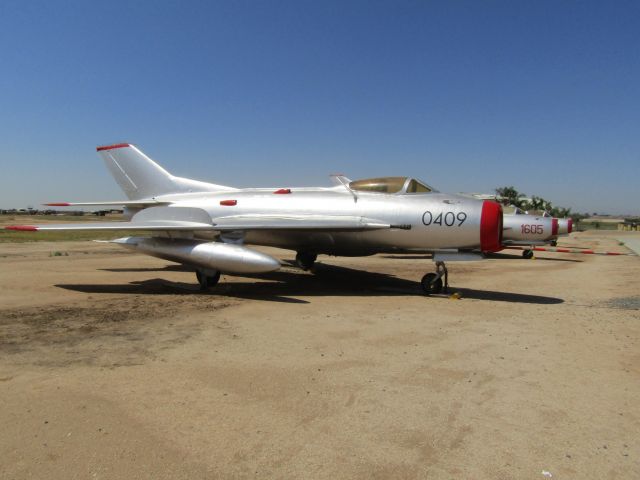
(114, 365)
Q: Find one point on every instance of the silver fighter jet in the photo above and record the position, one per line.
(207, 226)
(523, 229)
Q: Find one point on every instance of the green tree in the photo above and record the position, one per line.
(560, 212)
(510, 196)
(536, 203)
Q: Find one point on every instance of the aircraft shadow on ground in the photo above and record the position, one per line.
(501, 256)
(168, 268)
(507, 256)
(281, 286)
(506, 296)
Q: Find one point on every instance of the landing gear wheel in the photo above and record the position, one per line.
(431, 283)
(208, 280)
(306, 260)
(554, 243)
(527, 254)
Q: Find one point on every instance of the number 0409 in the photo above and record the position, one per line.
(447, 219)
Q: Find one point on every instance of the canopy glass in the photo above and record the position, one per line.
(390, 185)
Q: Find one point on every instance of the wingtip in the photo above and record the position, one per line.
(111, 147)
(22, 228)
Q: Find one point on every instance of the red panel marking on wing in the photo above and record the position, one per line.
(22, 228)
(228, 203)
(282, 191)
(58, 204)
(110, 147)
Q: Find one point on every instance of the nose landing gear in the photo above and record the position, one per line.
(432, 282)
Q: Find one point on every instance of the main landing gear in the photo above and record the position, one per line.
(432, 282)
(305, 260)
(207, 278)
(527, 254)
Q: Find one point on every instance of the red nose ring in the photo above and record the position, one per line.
(491, 227)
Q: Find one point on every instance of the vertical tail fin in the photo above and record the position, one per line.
(141, 178)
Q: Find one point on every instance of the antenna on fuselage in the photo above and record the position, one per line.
(340, 179)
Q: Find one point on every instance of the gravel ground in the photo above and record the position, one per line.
(114, 365)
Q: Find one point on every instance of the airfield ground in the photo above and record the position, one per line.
(113, 365)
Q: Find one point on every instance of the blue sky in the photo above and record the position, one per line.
(467, 95)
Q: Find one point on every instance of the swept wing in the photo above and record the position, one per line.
(196, 219)
(117, 203)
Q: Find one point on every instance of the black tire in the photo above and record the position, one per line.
(431, 284)
(207, 281)
(306, 260)
(527, 254)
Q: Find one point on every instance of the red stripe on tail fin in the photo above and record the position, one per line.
(111, 147)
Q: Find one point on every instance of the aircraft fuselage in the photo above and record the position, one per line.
(424, 221)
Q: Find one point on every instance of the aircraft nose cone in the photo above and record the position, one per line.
(491, 227)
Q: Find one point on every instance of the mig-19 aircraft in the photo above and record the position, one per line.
(526, 230)
(207, 226)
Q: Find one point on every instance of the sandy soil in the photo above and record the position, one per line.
(113, 365)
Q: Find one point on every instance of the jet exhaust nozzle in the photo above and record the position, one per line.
(224, 257)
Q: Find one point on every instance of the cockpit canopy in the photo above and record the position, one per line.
(512, 210)
(391, 185)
